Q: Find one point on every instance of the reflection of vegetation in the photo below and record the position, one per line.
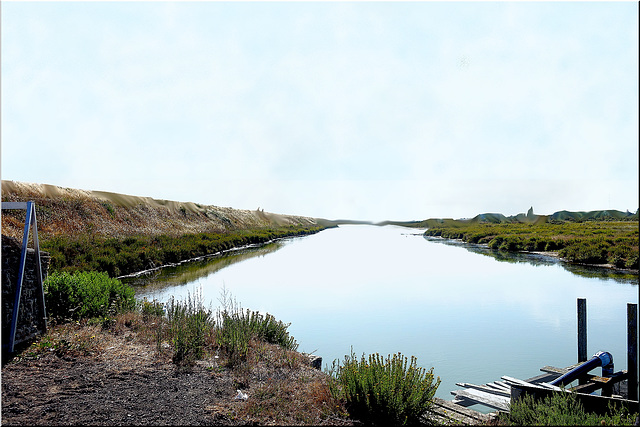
(589, 242)
(501, 256)
(191, 271)
(538, 259)
(122, 256)
(595, 272)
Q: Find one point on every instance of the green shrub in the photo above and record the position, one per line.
(151, 308)
(391, 391)
(86, 294)
(562, 409)
(632, 262)
(592, 251)
(511, 244)
(496, 242)
(189, 325)
(552, 245)
(238, 327)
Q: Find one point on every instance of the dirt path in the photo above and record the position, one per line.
(125, 385)
(89, 376)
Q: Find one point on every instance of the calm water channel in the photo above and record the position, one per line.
(472, 314)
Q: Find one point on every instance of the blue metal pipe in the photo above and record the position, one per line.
(601, 358)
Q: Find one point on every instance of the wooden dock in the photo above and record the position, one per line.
(497, 395)
(619, 387)
(445, 412)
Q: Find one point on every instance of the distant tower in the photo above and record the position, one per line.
(530, 212)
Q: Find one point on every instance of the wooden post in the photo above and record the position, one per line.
(632, 351)
(582, 330)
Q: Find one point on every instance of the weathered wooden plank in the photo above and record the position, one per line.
(487, 399)
(596, 383)
(518, 382)
(560, 371)
(542, 378)
(448, 411)
(501, 387)
(549, 386)
(501, 392)
(461, 401)
(501, 384)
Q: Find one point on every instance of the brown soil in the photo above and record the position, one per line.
(86, 375)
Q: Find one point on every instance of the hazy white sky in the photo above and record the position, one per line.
(359, 110)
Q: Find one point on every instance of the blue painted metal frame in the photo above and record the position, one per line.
(30, 221)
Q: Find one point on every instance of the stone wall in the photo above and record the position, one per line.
(31, 315)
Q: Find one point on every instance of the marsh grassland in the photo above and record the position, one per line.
(613, 243)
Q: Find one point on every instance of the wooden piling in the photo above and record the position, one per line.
(632, 351)
(582, 330)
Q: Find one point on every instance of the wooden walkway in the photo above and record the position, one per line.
(619, 388)
(497, 394)
(448, 413)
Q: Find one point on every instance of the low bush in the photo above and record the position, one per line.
(391, 391)
(150, 309)
(591, 251)
(86, 294)
(238, 327)
(193, 329)
(189, 324)
(562, 409)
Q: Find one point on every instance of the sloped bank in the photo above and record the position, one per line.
(123, 234)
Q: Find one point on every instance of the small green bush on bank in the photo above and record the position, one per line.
(562, 409)
(238, 328)
(190, 323)
(391, 391)
(85, 294)
(194, 330)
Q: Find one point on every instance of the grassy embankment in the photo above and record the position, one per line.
(121, 234)
(122, 256)
(587, 242)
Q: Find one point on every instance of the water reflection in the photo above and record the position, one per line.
(387, 289)
(192, 271)
(540, 259)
